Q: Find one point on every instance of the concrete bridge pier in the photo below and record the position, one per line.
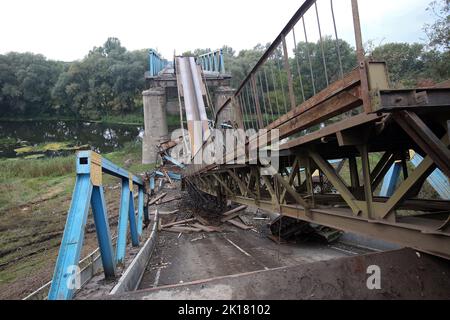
(155, 123)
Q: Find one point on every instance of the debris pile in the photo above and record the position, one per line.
(195, 223)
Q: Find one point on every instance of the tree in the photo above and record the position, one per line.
(439, 32)
(410, 65)
(108, 81)
(26, 82)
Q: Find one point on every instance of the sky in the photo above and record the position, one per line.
(67, 29)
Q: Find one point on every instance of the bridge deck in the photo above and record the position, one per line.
(230, 252)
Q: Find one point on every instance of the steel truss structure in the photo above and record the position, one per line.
(357, 118)
(89, 193)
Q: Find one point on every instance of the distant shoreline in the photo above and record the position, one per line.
(106, 120)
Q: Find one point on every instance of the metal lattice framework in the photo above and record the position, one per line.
(357, 118)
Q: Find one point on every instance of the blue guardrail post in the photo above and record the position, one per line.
(88, 192)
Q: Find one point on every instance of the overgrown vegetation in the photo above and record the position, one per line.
(48, 167)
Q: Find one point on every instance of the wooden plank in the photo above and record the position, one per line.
(238, 209)
(170, 200)
(239, 225)
(181, 229)
(157, 198)
(201, 220)
(202, 227)
(231, 216)
(178, 222)
(168, 213)
(167, 176)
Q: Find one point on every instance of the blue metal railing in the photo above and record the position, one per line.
(156, 63)
(88, 192)
(212, 61)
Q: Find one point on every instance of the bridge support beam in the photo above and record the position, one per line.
(155, 123)
(89, 193)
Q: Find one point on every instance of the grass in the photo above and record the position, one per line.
(173, 120)
(35, 168)
(131, 119)
(35, 196)
(7, 141)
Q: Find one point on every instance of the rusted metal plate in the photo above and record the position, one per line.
(403, 274)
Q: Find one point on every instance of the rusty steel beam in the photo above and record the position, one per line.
(386, 121)
(361, 58)
(421, 237)
(287, 69)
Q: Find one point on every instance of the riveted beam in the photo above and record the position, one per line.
(291, 191)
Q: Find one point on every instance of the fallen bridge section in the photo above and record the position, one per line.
(404, 274)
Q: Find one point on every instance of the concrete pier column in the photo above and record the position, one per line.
(222, 94)
(155, 123)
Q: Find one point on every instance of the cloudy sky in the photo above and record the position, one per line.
(68, 29)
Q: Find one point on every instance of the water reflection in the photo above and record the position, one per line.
(100, 137)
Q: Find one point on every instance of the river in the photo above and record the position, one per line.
(40, 138)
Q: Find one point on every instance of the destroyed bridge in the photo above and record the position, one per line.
(354, 156)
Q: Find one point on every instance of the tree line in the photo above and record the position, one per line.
(110, 79)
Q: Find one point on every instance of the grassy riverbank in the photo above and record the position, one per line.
(35, 196)
(23, 180)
